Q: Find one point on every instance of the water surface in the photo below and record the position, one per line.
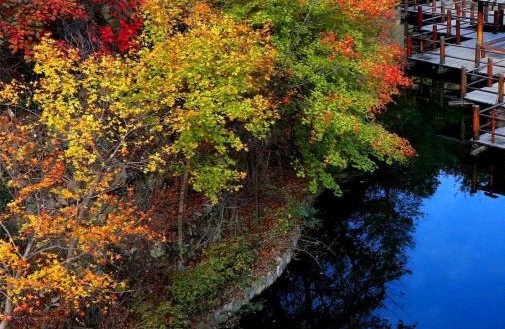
(419, 246)
(457, 264)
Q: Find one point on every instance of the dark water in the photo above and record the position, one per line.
(422, 246)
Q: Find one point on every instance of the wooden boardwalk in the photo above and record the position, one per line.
(466, 36)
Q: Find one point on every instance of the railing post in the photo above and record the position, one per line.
(463, 82)
(419, 18)
(489, 82)
(433, 6)
(486, 12)
(493, 125)
(421, 43)
(476, 122)
(442, 50)
(480, 29)
(500, 88)
(449, 22)
(472, 13)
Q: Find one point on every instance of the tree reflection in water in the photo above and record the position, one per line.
(339, 277)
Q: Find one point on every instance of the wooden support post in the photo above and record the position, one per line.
(496, 19)
(476, 122)
(477, 56)
(442, 11)
(500, 88)
(449, 23)
(491, 179)
(500, 22)
(421, 43)
(458, 31)
(473, 189)
(458, 10)
(472, 13)
(409, 45)
(480, 29)
(442, 50)
(489, 81)
(463, 8)
(493, 126)
(419, 18)
(486, 12)
(433, 6)
(463, 83)
(435, 36)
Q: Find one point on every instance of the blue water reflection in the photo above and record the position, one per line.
(458, 263)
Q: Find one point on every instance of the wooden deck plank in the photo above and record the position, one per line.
(485, 139)
(428, 10)
(485, 95)
(463, 54)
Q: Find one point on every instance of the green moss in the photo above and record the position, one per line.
(198, 289)
(227, 261)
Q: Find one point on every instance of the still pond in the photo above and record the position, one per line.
(420, 246)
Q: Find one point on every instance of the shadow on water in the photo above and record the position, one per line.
(359, 242)
(340, 275)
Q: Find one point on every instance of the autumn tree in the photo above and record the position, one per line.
(92, 25)
(57, 233)
(182, 106)
(178, 90)
(337, 67)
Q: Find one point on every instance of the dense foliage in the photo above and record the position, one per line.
(127, 114)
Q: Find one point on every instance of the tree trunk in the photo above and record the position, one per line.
(81, 212)
(180, 213)
(7, 311)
